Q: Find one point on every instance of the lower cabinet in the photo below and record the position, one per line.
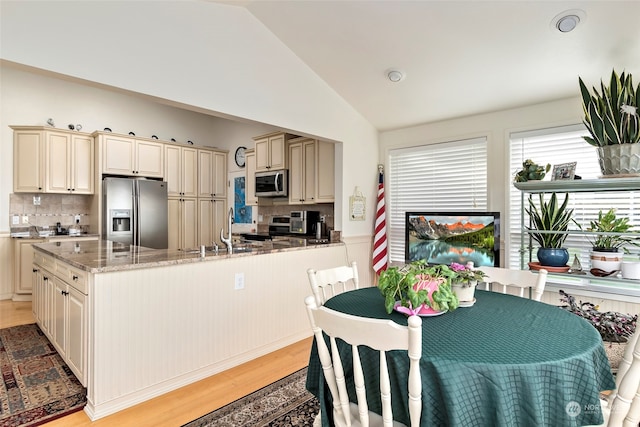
(23, 258)
(60, 309)
(183, 223)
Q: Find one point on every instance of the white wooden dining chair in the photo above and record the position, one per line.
(380, 335)
(333, 281)
(520, 280)
(621, 408)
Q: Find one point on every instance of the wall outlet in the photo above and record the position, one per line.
(15, 220)
(25, 219)
(239, 281)
(77, 219)
(36, 200)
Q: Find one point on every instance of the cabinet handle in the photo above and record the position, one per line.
(35, 270)
(74, 277)
(64, 292)
(45, 278)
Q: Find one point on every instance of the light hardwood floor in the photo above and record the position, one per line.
(190, 402)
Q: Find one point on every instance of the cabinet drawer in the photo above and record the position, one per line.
(43, 260)
(73, 276)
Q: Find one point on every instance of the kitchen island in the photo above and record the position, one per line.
(134, 323)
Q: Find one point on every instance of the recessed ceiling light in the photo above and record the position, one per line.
(395, 75)
(568, 20)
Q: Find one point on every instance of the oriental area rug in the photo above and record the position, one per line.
(37, 386)
(284, 403)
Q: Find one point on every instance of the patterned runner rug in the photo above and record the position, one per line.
(283, 403)
(37, 386)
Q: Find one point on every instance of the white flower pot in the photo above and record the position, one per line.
(606, 261)
(465, 292)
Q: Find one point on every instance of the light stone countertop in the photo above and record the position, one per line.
(104, 255)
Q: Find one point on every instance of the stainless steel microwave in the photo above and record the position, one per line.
(272, 183)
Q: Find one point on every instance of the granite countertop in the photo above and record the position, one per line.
(104, 255)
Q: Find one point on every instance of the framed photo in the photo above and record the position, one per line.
(564, 171)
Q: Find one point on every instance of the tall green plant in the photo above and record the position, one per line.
(611, 115)
(550, 217)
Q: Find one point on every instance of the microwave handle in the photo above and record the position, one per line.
(277, 175)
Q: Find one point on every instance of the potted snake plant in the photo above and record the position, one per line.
(611, 117)
(550, 223)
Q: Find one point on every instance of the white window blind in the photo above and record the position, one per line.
(556, 146)
(450, 176)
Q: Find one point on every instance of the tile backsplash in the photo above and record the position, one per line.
(53, 208)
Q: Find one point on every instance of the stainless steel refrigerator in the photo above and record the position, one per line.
(135, 211)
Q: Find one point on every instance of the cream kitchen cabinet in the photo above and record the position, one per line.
(212, 217)
(22, 268)
(250, 178)
(271, 151)
(52, 161)
(212, 172)
(70, 163)
(181, 170)
(130, 156)
(183, 223)
(311, 171)
(60, 308)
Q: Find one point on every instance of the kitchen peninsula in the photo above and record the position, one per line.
(134, 323)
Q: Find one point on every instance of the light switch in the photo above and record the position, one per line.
(15, 220)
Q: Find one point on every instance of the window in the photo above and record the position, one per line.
(557, 146)
(450, 176)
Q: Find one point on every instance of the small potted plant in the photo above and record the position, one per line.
(418, 288)
(608, 249)
(615, 328)
(531, 171)
(465, 282)
(554, 220)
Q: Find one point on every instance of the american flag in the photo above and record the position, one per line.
(380, 257)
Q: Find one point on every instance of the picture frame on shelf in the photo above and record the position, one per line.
(564, 171)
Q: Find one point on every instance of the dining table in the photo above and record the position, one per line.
(504, 361)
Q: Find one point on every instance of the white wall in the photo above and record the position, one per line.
(216, 58)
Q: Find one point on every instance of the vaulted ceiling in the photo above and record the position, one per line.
(458, 57)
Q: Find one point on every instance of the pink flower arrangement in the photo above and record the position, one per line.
(465, 274)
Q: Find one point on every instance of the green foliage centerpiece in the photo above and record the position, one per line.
(418, 288)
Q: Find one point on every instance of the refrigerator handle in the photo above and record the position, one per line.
(136, 215)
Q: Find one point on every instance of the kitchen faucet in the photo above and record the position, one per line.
(228, 240)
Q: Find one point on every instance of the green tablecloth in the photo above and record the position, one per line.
(506, 361)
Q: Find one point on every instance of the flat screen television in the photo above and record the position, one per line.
(446, 237)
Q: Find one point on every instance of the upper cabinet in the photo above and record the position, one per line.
(271, 151)
(212, 172)
(181, 170)
(250, 178)
(130, 156)
(311, 171)
(52, 161)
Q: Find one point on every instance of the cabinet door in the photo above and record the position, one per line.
(205, 173)
(59, 309)
(325, 176)
(58, 154)
(296, 173)
(173, 170)
(173, 214)
(76, 333)
(206, 228)
(277, 152)
(48, 287)
(189, 223)
(219, 220)
(189, 172)
(309, 172)
(28, 161)
(263, 162)
(117, 155)
(149, 159)
(250, 179)
(219, 183)
(38, 293)
(23, 267)
(82, 164)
